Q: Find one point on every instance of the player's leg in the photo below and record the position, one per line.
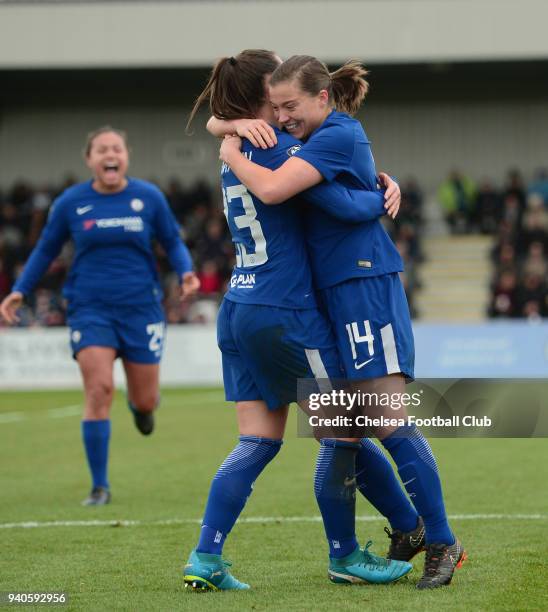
(96, 365)
(141, 330)
(314, 346)
(261, 432)
(375, 476)
(94, 346)
(143, 393)
(418, 471)
(381, 342)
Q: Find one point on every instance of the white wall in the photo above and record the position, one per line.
(196, 33)
(40, 358)
(422, 139)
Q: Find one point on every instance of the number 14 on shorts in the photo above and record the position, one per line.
(356, 337)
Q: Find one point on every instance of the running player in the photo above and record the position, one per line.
(270, 334)
(356, 271)
(113, 292)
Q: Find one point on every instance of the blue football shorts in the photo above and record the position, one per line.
(266, 349)
(372, 325)
(137, 332)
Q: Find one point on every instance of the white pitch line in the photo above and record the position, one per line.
(76, 409)
(253, 519)
(65, 411)
(12, 417)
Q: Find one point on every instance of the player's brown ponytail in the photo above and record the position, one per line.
(235, 89)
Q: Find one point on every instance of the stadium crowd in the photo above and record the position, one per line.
(23, 212)
(517, 216)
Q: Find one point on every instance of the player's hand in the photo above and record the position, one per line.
(229, 145)
(392, 196)
(257, 131)
(190, 284)
(9, 306)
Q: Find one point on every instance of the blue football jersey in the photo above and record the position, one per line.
(340, 150)
(112, 234)
(272, 266)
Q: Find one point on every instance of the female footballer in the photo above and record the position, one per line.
(355, 270)
(113, 292)
(270, 334)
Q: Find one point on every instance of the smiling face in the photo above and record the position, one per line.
(108, 159)
(298, 112)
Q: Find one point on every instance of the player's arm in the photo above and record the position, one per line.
(270, 186)
(55, 234)
(356, 205)
(257, 131)
(168, 233)
(350, 205)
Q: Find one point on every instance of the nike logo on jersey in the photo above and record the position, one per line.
(83, 209)
(358, 366)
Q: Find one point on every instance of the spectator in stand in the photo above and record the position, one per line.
(411, 202)
(531, 296)
(515, 187)
(211, 281)
(535, 207)
(540, 184)
(534, 229)
(512, 211)
(488, 207)
(535, 262)
(457, 197)
(504, 300)
(5, 280)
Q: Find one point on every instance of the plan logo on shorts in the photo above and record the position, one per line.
(76, 336)
(242, 281)
(292, 150)
(137, 205)
(129, 224)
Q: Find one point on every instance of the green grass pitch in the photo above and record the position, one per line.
(161, 484)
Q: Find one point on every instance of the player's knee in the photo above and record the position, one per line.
(146, 402)
(99, 395)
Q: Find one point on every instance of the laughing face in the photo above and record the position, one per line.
(108, 159)
(298, 112)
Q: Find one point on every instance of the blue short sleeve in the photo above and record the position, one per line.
(330, 150)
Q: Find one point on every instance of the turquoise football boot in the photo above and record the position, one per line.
(206, 572)
(363, 567)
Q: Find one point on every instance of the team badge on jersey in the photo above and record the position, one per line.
(76, 336)
(137, 205)
(292, 150)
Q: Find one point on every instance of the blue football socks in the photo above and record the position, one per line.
(96, 437)
(231, 487)
(335, 489)
(378, 483)
(419, 473)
